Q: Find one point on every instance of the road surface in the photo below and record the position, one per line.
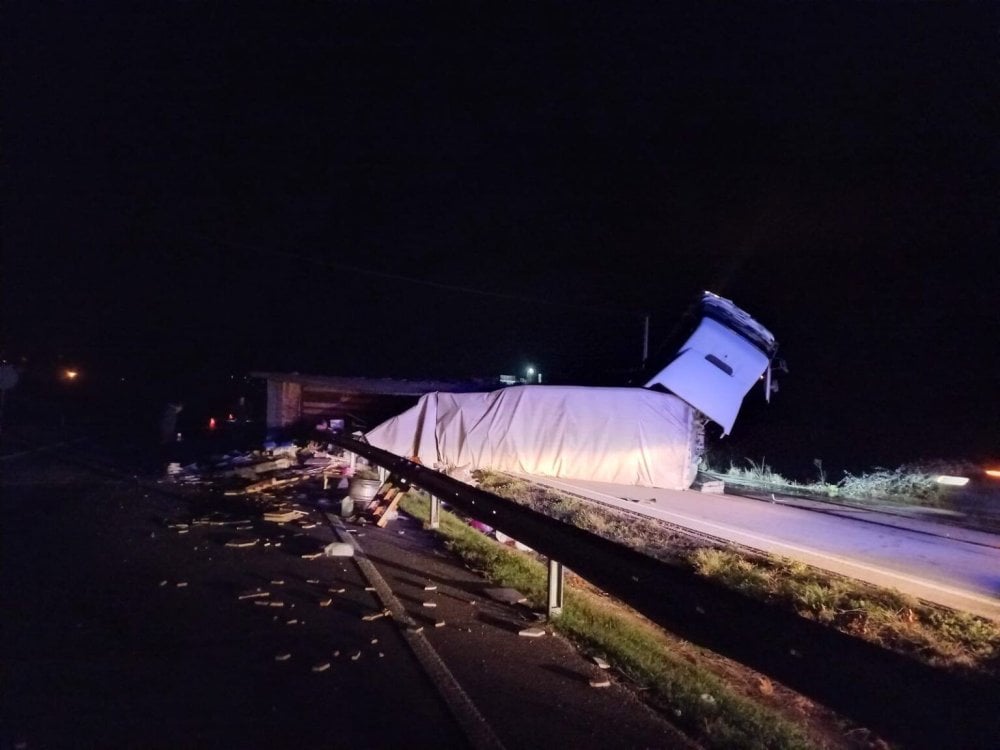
(956, 567)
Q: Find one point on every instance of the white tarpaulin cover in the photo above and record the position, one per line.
(623, 435)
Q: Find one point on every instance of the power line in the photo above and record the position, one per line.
(423, 282)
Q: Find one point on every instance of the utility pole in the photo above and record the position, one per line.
(645, 340)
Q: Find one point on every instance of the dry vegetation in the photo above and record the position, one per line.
(672, 674)
(937, 635)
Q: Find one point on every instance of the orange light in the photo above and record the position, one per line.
(71, 374)
(993, 473)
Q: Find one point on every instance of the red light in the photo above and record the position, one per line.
(211, 423)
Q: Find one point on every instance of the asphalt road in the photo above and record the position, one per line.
(123, 630)
(955, 567)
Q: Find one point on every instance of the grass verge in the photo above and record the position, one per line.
(942, 637)
(693, 698)
(936, 635)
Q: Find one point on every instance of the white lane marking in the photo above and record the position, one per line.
(805, 550)
(477, 730)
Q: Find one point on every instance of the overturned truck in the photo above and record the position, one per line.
(651, 436)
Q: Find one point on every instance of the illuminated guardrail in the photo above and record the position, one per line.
(901, 699)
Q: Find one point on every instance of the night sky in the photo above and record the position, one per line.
(455, 190)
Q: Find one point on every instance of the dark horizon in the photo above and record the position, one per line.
(427, 190)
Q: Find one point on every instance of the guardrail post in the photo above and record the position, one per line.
(435, 512)
(556, 575)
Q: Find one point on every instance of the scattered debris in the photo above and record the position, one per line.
(276, 603)
(532, 632)
(312, 580)
(430, 588)
(311, 555)
(601, 663)
(337, 591)
(356, 656)
(282, 657)
(374, 616)
(284, 516)
(325, 602)
(278, 582)
(242, 542)
(254, 594)
(163, 583)
(416, 629)
(710, 486)
(321, 667)
(181, 584)
(507, 595)
(369, 588)
(708, 699)
(291, 622)
(383, 506)
(338, 549)
(430, 604)
(439, 624)
(374, 641)
(600, 682)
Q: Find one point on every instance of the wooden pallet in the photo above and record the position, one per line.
(385, 501)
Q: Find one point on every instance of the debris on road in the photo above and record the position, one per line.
(282, 657)
(284, 516)
(507, 595)
(254, 594)
(600, 682)
(245, 542)
(601, 663)
(532, 632)
(321, 667)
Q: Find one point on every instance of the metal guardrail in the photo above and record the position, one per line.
(899, 698)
